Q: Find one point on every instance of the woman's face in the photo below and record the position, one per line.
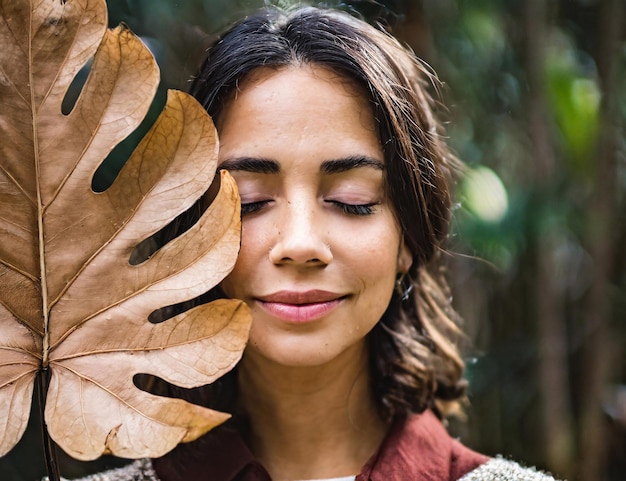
(320, 246)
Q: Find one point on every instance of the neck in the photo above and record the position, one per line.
(311, 422)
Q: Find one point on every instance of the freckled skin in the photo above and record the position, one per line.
(300, 238)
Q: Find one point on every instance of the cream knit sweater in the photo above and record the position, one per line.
(496, 469)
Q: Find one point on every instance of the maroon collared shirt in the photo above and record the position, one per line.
(417, 448)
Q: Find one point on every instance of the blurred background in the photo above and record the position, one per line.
(535, 104)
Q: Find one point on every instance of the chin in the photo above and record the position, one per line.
(300, 355)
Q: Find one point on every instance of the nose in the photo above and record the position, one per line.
(301, 238)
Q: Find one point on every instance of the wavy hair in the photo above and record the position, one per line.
(414, 360)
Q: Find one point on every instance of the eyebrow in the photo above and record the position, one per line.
(268, 166)
(251, 164)
(337, 166)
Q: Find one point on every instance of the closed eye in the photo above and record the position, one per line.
(354, 209)
(251, 207)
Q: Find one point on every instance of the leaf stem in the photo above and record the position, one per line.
(43, 376)
(49, 446)
(40, 209)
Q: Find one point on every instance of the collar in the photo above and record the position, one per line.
(416, 447)
(219, 455)
(421, 446)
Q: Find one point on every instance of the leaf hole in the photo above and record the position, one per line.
(160, 387)
(217, 395)
(181, 224)
(150, 383)
(167, 312)
(109, 169)
(75, 89)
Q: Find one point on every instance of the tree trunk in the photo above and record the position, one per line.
(602, 217)
(552, 362)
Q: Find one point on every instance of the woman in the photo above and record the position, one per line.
(326, 124)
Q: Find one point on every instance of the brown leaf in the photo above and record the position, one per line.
(70, 300)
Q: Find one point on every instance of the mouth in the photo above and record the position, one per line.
(300, 307)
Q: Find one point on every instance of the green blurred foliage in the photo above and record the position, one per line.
(574, 97)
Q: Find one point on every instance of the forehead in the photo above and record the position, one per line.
(294, 84)
(299, 111)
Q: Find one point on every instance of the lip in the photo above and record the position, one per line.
(300, 306)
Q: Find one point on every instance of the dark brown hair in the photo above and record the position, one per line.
(413, 357)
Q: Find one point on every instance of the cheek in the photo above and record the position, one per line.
(375, 258)
(381, 246)
(253, 251)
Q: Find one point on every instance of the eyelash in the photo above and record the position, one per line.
(252, 207)
(349, 209)
(354, 209)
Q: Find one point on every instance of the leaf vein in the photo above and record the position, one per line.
(113, 394)
(18, 185)
(17, 378)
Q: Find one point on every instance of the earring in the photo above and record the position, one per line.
(404, 286)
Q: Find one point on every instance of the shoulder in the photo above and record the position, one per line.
(420, 446)
(500, 469)
(140, 470)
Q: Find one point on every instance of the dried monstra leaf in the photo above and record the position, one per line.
(70, 300)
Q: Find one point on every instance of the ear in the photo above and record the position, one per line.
(405, 258)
